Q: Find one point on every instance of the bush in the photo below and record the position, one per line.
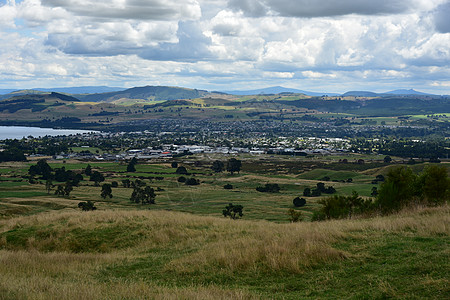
(269, 188)
(228, 186)
(294, 215)
(181, 170)
(181, 179)
(397, 190)
(192, 181)
(114, 184)
(299, 202)
(87, 206)
(233, 211)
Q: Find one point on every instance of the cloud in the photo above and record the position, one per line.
(130, 9)
(442, 18)
(192, 45)
(323, 8)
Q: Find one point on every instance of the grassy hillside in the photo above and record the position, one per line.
(120, 254)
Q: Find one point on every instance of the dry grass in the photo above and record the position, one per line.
(45, 265)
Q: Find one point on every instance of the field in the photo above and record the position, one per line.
(182, 246)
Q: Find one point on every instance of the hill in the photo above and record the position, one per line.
(408, 92)
(82, 89)
(35, 102)
(277, 90)
(148, 93)
(158, 254)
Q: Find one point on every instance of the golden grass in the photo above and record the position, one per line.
(46, 267)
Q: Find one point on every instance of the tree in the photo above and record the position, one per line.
(233, 211)
(321, 186)
(59, 191)
(269, 188)
(41, 168)
(68, 188)
(307, 192)
(397, 190)
(114, 184)
(48, 185)
(174, 164)
(217, 166)
(181, 179)
(97, 177)
(88, 170)
(131, 165)
(126, 183)
(143, 195)
(294, 215)
(106, 191)
(234, 165)
(299, 202)
(228, 186)
(87, 206)
(181, 170)
(435, 184)
(192, 181)
(387, 159)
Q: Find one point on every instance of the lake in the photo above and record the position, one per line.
(18, 132)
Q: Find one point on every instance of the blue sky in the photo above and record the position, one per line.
(327, 45)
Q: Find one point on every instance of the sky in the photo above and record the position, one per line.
(323, 46)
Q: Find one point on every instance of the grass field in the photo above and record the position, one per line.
(119, 254)
(183, 248)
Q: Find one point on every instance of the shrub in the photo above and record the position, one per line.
(181, 179)
(294, 215)
(233, 211)
(299, 202)
(269, 188)
(192, 181)
(228, 186)
(87, 206)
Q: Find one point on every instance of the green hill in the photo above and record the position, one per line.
(150, 93)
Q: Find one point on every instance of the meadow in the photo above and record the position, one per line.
(183, 248)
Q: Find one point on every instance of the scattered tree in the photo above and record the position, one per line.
(87, 206)
(234, 165)
(106, 191)
(174, 164)
(228, 186)
(269, 188)
(294, 215)
(233, 211)
(299, 202)
(182, 170)
(217, 166)
(131, 165)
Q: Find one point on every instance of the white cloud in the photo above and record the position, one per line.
(215, 43)
(323, 8)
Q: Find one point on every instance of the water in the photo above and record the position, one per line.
(18, 132)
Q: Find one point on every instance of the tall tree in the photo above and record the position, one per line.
(234, 165)
(106, 191)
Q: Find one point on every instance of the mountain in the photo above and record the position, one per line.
(360, 94)
(6, 91)
(407, 92)
(82, 89)
(148, 93)
(277, 90)
(22, 93)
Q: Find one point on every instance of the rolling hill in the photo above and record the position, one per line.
(148, 93)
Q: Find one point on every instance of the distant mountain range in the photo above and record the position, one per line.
(70, 90)
(277, 90)
(157, 93)
(395, 92)
(149, 93)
